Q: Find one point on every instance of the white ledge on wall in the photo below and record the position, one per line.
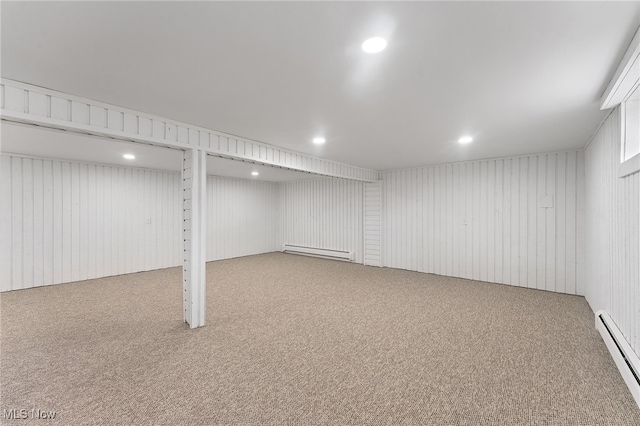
(26, 103)
(629, 167)
(626, 78)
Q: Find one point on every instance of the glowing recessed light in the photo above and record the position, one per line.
(129, 156)
(465, 139)
(319, 141)
(374, 45)
(254, 173)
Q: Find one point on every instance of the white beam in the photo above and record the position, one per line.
(31, 104)
(194, 190)
(626, 78)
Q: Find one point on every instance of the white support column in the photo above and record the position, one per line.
(194, 181)
(373, 223)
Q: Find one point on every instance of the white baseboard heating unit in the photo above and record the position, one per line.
(318, 252)
(626, 360)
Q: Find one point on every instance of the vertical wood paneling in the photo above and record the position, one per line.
(532, 223)
(57, 221)
(491, 218)
(518, 223)
(27, 223)
(572, 226)
(612, 272)
(561, 223)
(323, 213)
(551, 232)
(83, 216)
(523, 167)
(507, 213)
(100, 218)
(48, 249)
(117, 218)
(92, 234)
(17, 270)
(74, 220)
(581, 224)
(485, 220)
(540, 241)
(483, 228)
(6, 223)
(467, 221)
(372, 223)
(498, 212)
(475, 221)
(38, 222)
(242, 218)
(62, 221)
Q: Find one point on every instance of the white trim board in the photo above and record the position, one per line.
(626, 78)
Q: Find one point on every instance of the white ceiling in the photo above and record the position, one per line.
(521, 77)
(42, 142)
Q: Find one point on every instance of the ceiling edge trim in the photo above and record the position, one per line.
(626, 78)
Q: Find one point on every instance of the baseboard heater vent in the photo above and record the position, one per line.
(626, 360)
(318, 252)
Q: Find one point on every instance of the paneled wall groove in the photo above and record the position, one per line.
(482, 220)
(489, 220)
(64, 221)
(243, 217)
(613, 232)
(323, 213)
(372, 223)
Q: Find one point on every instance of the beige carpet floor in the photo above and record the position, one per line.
(293, 340)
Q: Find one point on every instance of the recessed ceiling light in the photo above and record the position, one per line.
(465, 139)
(318, 140)
(254, 173)
(374, 45)
(129, 156)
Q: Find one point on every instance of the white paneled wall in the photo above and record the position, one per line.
(323, 213)
(373, 223)
(487, 220)
(63, 221)
(613, 233)
(243, 217)
(515, 220)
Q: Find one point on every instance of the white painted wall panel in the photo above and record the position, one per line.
(485, 220)
(323, 213)
(63, 221)
(372, 223)
(613, 233)
(242, 217)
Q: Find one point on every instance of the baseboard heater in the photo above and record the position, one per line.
(626, 360)
(319, 252)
